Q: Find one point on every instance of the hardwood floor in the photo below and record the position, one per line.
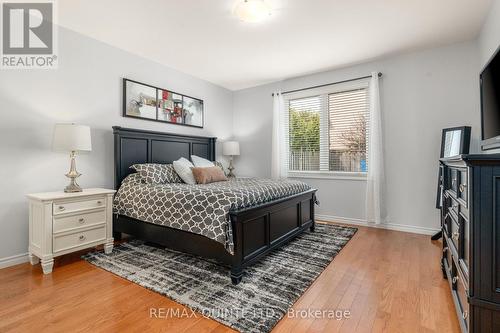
(389, 281)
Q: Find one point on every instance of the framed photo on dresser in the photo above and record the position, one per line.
(144, 101)
(455, 141)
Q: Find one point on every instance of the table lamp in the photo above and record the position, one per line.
(72, 138)
(231, 148)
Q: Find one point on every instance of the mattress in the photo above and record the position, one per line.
(201, 209)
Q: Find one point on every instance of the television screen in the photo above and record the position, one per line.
(490, 99)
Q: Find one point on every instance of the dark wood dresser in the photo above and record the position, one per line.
(470, 219)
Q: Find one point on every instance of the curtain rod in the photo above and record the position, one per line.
(329, 84)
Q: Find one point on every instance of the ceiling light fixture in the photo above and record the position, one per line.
(252, 10)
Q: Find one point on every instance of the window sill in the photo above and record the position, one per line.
(359, 176)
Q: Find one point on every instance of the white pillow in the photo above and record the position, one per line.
(200, 162)
(183, 168)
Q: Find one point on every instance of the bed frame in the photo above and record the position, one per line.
(256, 230)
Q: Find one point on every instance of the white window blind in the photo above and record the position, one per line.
(348, 113)
(328, 130)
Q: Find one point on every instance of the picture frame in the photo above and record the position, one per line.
(144, 101)
(454, 141)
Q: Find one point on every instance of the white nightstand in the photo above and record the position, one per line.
(61, 223)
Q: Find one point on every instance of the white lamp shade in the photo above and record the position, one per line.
(71, 137)
(231, 148)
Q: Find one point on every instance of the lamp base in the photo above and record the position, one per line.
(231, 168)
(73, 187)
(73, 175)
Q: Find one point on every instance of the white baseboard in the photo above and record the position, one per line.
(14, 260)
(388, 226)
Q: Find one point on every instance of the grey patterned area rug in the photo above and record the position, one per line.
(268, 289)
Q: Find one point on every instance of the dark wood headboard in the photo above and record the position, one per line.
(134, 146)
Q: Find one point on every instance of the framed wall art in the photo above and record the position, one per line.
(148, 102)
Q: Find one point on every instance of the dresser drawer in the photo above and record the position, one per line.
(76, 206)
(465, 247)
(462, 185)
(455, 235)
(461, 294)
(464, 211)
(447, 221)
(77, 239)
(453, 208)
(452, 183)
(447, 256)
(66, 223)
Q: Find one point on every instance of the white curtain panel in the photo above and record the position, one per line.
(279, 165)
(375, 201)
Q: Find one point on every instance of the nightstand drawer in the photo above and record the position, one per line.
(78, 221)
(77, 239)
(76, 206)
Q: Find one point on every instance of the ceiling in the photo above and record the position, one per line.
(204, 39)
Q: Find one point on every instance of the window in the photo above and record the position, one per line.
(328, 129)
(304, 134)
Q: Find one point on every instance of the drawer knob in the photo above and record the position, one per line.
(465, 315)
(455, 235)
(462, 187)
(455, 279)
(61, 208)
(99, 202)
(81, 238)
(81, 220)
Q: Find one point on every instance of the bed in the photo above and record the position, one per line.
(256, 216)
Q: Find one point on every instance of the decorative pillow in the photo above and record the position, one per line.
(157, 173)
(134, 178)
(200, 162)
(208, 175)
(219, 164)
(183, 168)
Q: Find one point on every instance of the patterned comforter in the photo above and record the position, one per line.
(200, 209)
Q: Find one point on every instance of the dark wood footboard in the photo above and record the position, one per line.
(259, 230)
